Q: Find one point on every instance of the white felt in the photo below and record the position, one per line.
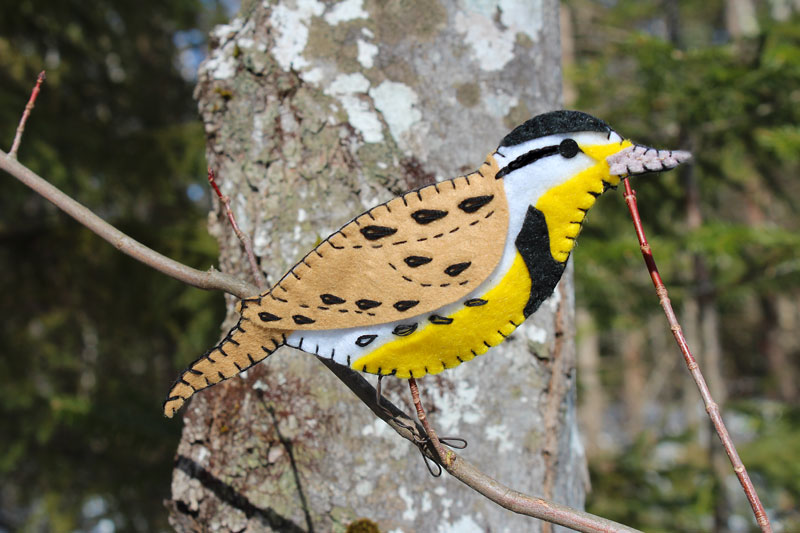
(523, 188)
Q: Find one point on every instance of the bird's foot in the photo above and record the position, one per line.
(445, 457)
(426, 437)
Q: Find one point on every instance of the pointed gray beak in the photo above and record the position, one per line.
(639, 159)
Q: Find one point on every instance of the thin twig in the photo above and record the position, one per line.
(25, 115)
(466, 472)
(711, 406)
(244, 239)
(444, 457)
(210, 280)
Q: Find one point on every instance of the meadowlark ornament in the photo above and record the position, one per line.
(439, 275)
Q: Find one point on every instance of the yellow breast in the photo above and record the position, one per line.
(473, 330)
(565, 206)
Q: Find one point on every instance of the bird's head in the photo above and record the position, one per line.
(560, 148)
(560, 162)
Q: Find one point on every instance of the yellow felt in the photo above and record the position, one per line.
(564, 206)
(354, 268)
(436, 346)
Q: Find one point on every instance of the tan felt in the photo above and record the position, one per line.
(411, 255)
(245, 345)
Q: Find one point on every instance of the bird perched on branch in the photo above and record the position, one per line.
(439, 275)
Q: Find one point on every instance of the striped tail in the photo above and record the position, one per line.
(238, 351)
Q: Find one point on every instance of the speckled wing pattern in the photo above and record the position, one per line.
(411, 255)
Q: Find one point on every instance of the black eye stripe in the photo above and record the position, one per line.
(568, 148)
(526, 159)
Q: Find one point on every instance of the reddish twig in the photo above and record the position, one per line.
(711, 406)
(25, 115)
(444, 456)
(244, 239)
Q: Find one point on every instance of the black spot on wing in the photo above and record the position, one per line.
(367, 304)
(470, 205)
(331, 299)
(426, 216)
(417, 260)
(405, 305)
(373, 233)
(302, 319)
(268, 317)
(456, 269)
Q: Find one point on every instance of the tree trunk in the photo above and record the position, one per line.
(314, 112)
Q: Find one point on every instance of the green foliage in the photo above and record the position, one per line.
(724, 230)
(667, 484)
(92, 339)
(735, 106)
(658, 485)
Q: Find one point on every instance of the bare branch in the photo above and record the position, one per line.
(711, 406)
(466, 472)
(210, 280)
(25, 115)
(244, 239)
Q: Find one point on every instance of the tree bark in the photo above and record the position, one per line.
(315, 112)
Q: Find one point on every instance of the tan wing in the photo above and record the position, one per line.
(411, 255)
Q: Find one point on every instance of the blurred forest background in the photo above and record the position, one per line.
(91, 338)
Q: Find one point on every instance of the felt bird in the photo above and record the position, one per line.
(435, 277)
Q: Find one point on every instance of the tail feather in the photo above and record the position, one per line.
(238, 351)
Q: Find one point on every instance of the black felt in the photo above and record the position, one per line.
(456, 269)
(405, 305)
(568, 148)
(268, 317)
(374, 233)
(552, 123)
(331, 299)
(367, 304)
(302, 319)
(470, 205)
(405, 329)
(426, 216)
(417, 260)
(533, 243)
(526, 159)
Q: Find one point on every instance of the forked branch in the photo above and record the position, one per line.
(711, 406)
(210, 280)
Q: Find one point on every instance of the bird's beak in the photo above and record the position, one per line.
(638, 159)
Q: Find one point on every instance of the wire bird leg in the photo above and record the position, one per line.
(421, 440)
(433, 439)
